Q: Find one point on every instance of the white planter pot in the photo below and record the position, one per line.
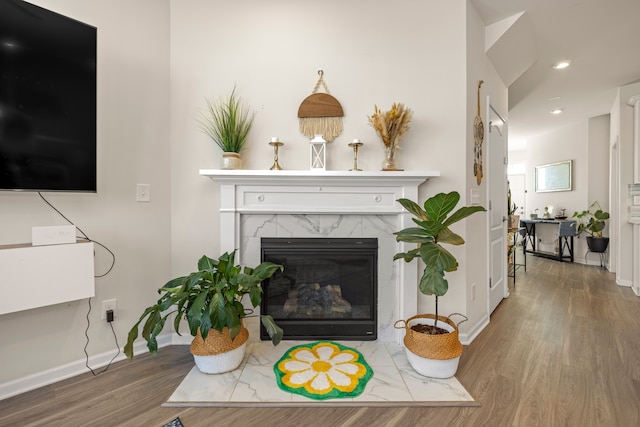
(220, 363)
(231, 161)
(432, 367)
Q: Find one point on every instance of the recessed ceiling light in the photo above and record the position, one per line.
(556, 111)
(561, 65)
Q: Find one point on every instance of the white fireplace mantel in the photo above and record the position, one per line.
(364, 178)
(365, 195)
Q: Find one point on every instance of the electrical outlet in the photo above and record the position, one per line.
(108, 304)
(143, 193)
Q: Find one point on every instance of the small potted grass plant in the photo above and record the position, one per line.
(228, 122)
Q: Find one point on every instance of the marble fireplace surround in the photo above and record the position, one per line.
(257, 203)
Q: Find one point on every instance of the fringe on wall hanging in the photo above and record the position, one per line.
(320, 113)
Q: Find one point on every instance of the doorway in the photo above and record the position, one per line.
(497, 188)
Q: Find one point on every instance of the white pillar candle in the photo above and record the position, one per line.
(274, 139)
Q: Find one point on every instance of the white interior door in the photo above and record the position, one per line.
(497, 186)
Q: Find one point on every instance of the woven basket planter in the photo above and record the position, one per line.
(435, 356)
(218, 353)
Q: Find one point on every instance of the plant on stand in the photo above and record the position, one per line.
(431, 231)
(592, 221)
(210, 299)
(228, 122)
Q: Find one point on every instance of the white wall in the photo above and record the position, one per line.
(622, 132)
(475, 267)
(371, 54)
(133, 147)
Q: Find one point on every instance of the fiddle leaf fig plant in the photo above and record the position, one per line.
(433, 221)
(210, 298)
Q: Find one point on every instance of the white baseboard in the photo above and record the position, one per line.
(467, 338)
(624, 283)
(59, 373)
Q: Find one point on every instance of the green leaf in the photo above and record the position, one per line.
(255, 295)
(407, 256)
(433, 282)
(196, 309)
(206, 263)
(439, 206)
(154, 317)
(430, 227)
(414, 209)
(448, 236)
(435, 256)
(266, 270)
(414, 235)
(275, 332)
(217, 312)
(462, 213)
(131, 337)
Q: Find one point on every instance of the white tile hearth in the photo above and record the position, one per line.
(394, 383)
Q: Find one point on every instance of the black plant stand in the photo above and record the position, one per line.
(603, 258)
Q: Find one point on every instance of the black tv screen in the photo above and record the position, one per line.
(47, 100)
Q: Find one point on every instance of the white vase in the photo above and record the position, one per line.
(231, 161)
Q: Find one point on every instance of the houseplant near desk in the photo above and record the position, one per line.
(228, 122)
(435, 352)
(592, 221)
(211, 301)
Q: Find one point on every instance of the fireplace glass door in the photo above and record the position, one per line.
(328, 289)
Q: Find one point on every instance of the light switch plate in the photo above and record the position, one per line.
(475, 196)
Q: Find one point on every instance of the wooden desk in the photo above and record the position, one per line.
(566, 231)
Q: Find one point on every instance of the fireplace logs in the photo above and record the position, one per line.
(313, 300)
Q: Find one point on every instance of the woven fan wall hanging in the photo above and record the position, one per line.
(320, 113)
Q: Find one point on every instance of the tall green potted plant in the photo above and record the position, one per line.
(210, 299)
(433, 339)
(228, 122)
(592, 221)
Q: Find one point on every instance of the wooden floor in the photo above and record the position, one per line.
(562, 350)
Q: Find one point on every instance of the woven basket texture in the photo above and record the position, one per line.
(217, 342)
(438, 347)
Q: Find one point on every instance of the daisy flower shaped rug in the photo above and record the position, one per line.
(323, 370)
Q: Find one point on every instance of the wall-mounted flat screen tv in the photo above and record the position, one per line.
(47, 100)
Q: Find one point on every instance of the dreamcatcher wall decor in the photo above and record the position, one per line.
(478, 138)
